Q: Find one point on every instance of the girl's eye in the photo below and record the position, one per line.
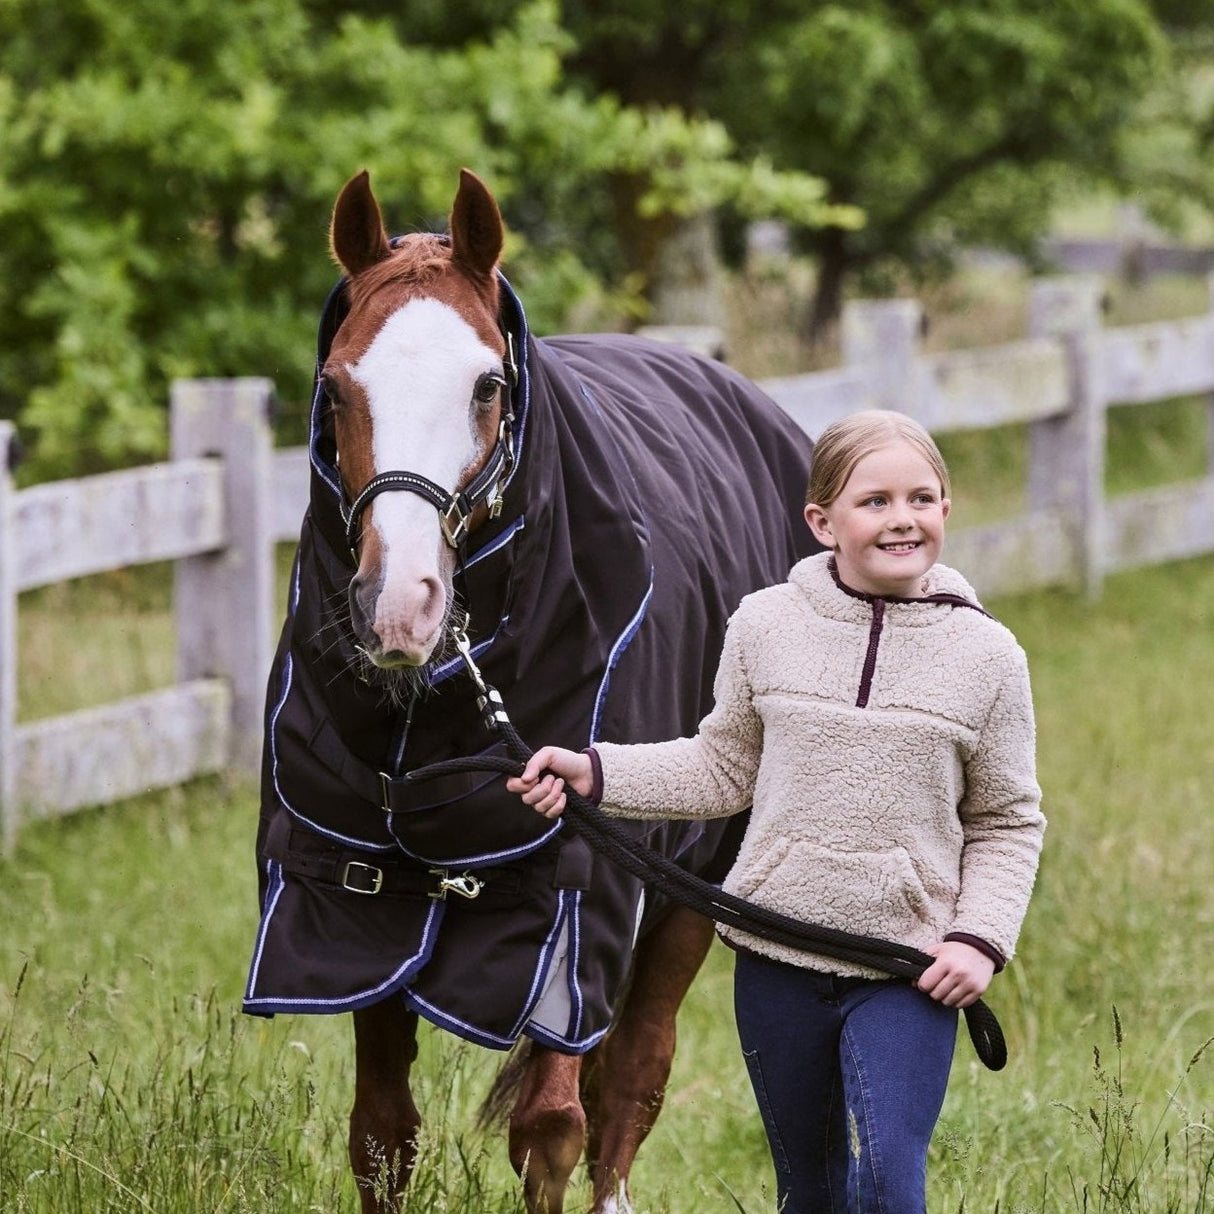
(876, 501)
(487, 388)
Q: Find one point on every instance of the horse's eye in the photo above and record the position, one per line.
(332, 392)
(487, 387)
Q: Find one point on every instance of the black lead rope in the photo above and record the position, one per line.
(652, 868)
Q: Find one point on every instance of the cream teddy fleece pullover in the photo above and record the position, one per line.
(888, 749)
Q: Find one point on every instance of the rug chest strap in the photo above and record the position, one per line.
(304, 854)
(393, 794)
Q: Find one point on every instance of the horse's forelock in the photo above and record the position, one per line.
(416, 262)
(419, 262)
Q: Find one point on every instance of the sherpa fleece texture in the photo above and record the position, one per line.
(914, 815)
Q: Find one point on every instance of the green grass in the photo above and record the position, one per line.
(130, 1082)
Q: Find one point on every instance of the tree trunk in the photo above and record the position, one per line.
(835, 260)
(678, 260)
(688, 286)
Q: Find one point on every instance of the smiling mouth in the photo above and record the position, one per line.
(900, 547)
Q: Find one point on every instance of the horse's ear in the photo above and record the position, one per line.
(356, 234)
(476, 227)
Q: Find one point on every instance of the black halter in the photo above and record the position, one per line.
(455, 508)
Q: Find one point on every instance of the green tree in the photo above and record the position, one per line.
(658, 58)
(167, 169)
(1170, 144)
(946, 122)
(950, 123)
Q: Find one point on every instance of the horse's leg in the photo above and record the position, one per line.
(629, 1074)
(384, 1121)
(547, 1128)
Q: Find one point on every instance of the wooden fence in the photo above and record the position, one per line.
(225, 499)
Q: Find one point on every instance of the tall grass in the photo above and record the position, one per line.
(129, 1082)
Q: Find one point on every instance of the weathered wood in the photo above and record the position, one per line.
(67, 529)
(1021, 381)
(219, 508)
(881, 339)
(960, 390)
(1135, 258)
(100, 755)
(1022, 554)
(1171, 523)
(224, 601)
(1067, 452)
(815, 400)
(8, 642)
(1153, 362)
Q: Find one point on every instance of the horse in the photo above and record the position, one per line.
(579, 515)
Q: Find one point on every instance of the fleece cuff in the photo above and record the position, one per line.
(596, 776)
(983, 946)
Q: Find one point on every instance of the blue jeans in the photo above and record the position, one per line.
(850, 1076)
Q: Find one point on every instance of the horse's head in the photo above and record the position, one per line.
(417, 382)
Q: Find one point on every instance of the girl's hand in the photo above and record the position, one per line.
(542, 784)
(959, 975)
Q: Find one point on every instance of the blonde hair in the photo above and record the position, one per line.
(843, 444)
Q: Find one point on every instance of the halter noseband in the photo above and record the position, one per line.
(454, 509)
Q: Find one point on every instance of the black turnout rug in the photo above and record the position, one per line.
(653, 490)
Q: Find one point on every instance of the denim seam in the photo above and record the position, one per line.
(755, 1066)
(869, 1157)
(837, 1095)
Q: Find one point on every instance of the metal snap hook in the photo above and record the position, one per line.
(466, 885)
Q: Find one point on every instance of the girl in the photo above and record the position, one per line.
(881, 725)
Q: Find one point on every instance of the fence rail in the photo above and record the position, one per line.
(224, 500)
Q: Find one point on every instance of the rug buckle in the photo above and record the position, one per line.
(360, 878)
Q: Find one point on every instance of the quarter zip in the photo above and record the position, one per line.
(870, 657)
(878, 604)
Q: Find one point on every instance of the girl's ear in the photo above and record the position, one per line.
(819, 524)
(945, 506)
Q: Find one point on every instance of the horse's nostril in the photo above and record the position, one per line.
(433, 601)
(362, 605)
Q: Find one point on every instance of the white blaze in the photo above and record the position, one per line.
(418, 376)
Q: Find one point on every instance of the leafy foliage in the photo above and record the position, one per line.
(167, 170)
(949, 123)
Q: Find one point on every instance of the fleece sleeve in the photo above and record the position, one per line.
(711, 775)
(1001, 817)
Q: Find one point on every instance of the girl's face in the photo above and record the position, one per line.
(887, 525)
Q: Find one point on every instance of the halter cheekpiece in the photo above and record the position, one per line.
(454, 509)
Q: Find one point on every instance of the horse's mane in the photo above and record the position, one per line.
(416, 260)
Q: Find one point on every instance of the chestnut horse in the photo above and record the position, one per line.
(582, 514)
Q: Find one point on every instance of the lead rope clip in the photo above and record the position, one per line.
(489, 701)
(467, 886)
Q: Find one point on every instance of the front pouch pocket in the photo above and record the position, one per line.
(873, 893)
(463, 817)
(868, 893)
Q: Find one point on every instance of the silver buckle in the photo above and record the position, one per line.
(467, 886)
(453, 533)
(372, 883)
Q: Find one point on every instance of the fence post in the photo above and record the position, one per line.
(224, 600)
(8, 642)
(1067, 453)
(882, 337)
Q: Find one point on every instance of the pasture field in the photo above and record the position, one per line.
(130, 1082)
